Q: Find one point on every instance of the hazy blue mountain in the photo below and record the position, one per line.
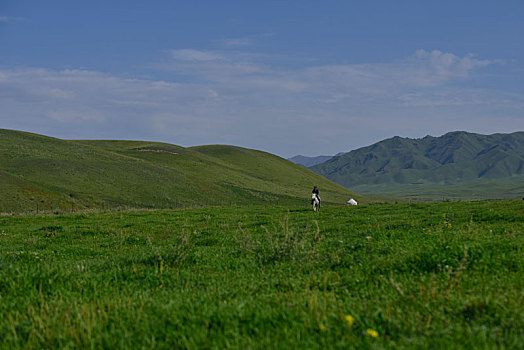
(456, 158)
(309, 161)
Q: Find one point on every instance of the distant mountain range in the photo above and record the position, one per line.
(309, 161)
(434, 165)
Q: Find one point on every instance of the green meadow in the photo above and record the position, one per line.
(429, 276)
(40, 173)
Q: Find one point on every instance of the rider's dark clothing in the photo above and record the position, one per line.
(315, 192)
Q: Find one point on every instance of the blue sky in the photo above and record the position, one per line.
(287, 77)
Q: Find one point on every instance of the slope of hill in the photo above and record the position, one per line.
(52, 174)
(457, 160)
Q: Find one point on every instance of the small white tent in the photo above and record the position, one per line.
(352, 202)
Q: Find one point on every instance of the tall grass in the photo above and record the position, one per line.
(447, 275)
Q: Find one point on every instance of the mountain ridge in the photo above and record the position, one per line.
(309, 161)
(452, 159)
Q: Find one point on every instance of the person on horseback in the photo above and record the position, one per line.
(315, 194)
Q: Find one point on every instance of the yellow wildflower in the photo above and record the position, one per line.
(350, 320)
(322, 328)
(372, 333)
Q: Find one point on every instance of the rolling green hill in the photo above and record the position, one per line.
(460, 165)
(53, 174)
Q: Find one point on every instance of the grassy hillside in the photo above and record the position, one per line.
(48, 173)
(424, 276)
(457, 160)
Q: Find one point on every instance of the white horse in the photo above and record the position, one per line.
(315, 200)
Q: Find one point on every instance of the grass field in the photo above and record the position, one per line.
(511, 188)
(442, 275)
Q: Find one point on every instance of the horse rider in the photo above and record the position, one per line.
(315, 193)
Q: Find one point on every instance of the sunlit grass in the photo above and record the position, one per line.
(446, 275)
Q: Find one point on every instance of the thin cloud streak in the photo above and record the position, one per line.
(235, 42)
(6, 19)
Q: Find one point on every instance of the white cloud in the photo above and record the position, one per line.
(68, 116)
(211, 65)
(10, 19)
(194, 55)
(462, 97)
(235, 98)
(424, 69)
(328, 82)
(443, 66)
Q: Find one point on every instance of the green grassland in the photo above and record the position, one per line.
(429, 276)
(508, 188)
(59, 175)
